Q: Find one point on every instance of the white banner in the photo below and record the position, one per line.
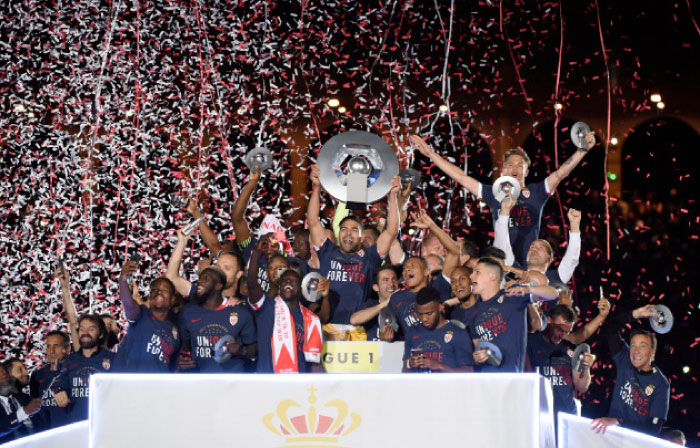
(575, 432)
(410, 410)
(69, 436)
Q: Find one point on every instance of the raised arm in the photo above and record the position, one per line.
(255, 291)
(240, 226)
(538, 293)
(565, 169)
(392, 220)
(324, 312)
(573, 249)
(208, 235)
(448, 168)
(316, 230)
(182, 285)
(583, 333)
(425, 222)
(612, 332)
(131, 308)
(69, 307)
(502, 235)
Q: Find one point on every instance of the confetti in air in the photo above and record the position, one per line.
(111, 109)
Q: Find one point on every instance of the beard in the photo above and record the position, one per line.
(89, 344)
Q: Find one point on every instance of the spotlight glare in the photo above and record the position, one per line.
(130, 112)
(613, 141)
(660, 105)
(240, 110)
(558, 106)
(655, 98)
(333, 102)
(342, 110)
(443, 108)
(19, 108)
(686, 369)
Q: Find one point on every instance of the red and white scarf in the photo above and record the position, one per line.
(284, 338)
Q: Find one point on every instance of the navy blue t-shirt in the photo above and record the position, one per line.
(461, 314)
(51, 415)
(149, 345)
(443, 286)
(502, 321)
(75, 380)
(448, 344)
(554, 362)
(640, 399)
(265, 320)
(525, 216)
(350, 276)
(246, 250)
(404, 305)
(203, 328)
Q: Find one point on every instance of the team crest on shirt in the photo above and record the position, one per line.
(106, 364)
(448, 336)
(361, 253)
(174, 333)
(570, 353)
(500, 299)
(525, 192)
(649, 390)
(233, 319)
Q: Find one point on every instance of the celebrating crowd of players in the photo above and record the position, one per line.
(246, 311)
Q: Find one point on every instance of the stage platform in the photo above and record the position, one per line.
(343, 410)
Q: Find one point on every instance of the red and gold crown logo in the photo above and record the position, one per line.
(312, 427)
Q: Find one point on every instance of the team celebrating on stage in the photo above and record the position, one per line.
(502, 308)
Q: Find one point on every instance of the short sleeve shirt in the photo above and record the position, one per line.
(75, 379)
(449, 345)
(554, 363)
(203, 328)
(502, 321)
(149, 345)
(525, 216)
(639, 398)
(350, 277)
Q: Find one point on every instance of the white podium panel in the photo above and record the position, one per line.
(575, 432)
(69, 436)
(344, 410)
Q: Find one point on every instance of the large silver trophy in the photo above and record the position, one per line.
(357, 167)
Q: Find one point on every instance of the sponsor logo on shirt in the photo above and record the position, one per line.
(106, 364)
(233, 319)
(649, 390)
